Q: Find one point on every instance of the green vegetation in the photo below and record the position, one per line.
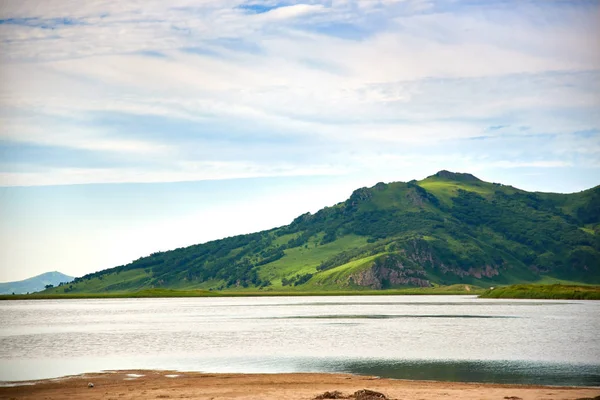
(161, 293)
(556, 291)
(111, 295)
(448, 229)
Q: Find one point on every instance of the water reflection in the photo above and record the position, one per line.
(514, 372)
(520, 341)
(394, 316)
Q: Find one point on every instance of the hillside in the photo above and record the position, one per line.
(34, 284)
(449, 228)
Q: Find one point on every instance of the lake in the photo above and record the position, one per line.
(455, 338)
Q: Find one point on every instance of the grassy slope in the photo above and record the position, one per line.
(127, 280)
(330, 279)
(445, 190)
(304, 260)
(394, 196)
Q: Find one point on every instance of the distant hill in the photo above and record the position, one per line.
(35, 284)
(449, 228)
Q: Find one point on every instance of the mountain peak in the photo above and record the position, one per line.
(457, 176)
(34, 284)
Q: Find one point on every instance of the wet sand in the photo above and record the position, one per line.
(124, 385)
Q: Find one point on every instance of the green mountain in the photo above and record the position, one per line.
(34, 284)
(449, 228)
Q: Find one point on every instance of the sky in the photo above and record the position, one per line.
(128, 127)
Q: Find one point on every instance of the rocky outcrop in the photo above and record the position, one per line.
(358, 196)
(457, 176)
(486, 271)
(376, 278)
(420, 253)
(380, 186)
(389, 270)
(367, 278)
(408, 267)
(414, 197)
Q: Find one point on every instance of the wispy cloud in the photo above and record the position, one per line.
(292, 11)
(175, 172)
(208, 89)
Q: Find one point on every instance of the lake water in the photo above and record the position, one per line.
(458, 338)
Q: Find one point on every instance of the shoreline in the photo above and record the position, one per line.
(174, 293)
(133, 384)
(519, 291)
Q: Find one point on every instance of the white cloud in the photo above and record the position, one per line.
(36, 131)
(418, 78)
(362, 90)
(296, 10)
(175, 172)
(529, 164)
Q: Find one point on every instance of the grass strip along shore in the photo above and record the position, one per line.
(438, 290)
(557, 292)
(528, 291)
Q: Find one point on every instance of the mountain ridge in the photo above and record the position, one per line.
(445, 229)
(35, 283)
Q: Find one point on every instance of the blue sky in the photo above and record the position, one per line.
(129, 127)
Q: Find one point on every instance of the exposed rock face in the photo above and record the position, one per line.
(486, 271)
(358, 196)
(366, 277)
(457, 176)
(390, 271)
(380, 186)
(407, 266)
(421, 254)
(414, 198)
(302, 218)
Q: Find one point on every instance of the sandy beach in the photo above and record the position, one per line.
(122, 385)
